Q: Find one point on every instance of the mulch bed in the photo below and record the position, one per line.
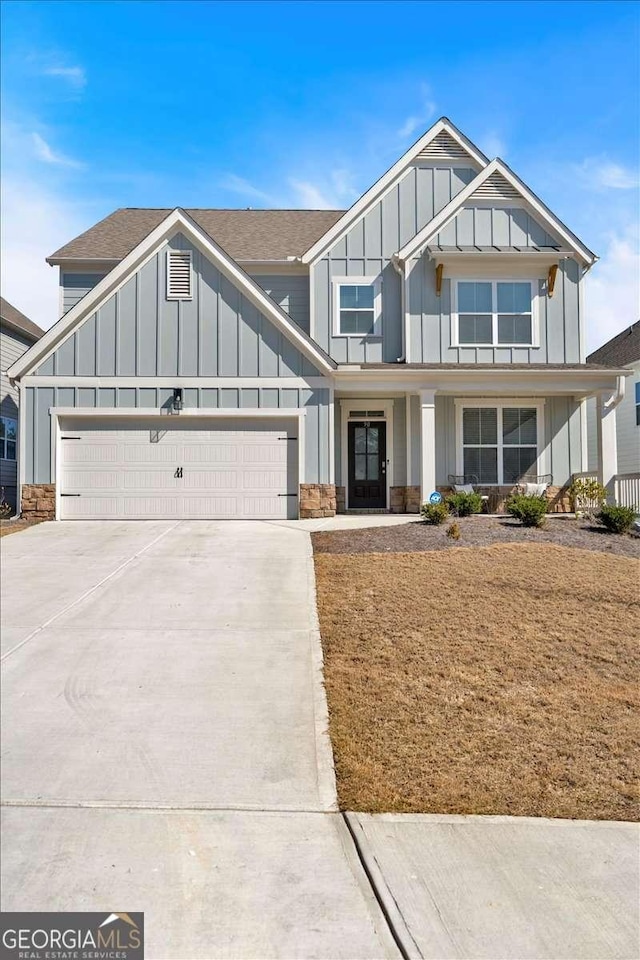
(15, 525)
(475, 531)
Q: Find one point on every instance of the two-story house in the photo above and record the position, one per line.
(17, 334)
(288, 363)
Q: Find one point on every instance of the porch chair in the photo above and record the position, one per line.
(466, 483)
(534, 486)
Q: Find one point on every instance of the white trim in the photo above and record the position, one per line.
(373, 403)
(185, 382)
(332, 435)
(517, 266)
(494, 281)
(388, 180)
(499, 403)
(584, 435)
(22, 446)
(176, 221)
(273, 413)
(408, 438)
(178, 255)
(376, 283)
(427, 443)
(416, 244)
(219, 413)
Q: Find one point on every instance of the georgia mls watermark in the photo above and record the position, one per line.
(72, 936)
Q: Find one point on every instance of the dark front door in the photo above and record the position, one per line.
(367, 464)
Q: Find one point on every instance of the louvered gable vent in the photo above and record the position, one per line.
(443, 147)
(496, 187)
(179, 275)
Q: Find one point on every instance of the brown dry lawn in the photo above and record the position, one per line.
(15, 526)
(495, 680)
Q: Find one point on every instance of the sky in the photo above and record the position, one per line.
(305, 104)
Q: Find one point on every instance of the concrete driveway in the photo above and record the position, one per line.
(164, 740)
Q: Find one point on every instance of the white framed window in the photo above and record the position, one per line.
(494, 313)
(500, 441)
(637, 399)
(179, 283)
(357, 306)
(8, 438)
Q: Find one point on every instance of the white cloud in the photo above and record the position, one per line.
(246, 189)
(76, 76)
(492, 145)
(612, 295)
(35, 222)
(45, 153)
(417, 122)
(602, 174)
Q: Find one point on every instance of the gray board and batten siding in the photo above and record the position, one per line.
(139, 332)
(39, 401)
(560, 323)
(366, 250)
(12, 346)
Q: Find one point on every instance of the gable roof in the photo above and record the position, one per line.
(244, 234)
(621, 350)
(177, 221)
(13, 318)
(444, 139)
(497, 181)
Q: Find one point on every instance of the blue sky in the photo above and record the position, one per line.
(306, 104)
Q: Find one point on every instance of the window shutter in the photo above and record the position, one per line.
(179, 275)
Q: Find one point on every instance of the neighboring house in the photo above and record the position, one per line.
(285, 363)
(17, 334)
(622, 350)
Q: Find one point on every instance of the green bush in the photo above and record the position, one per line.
(464, 504)
(434, 513)
(616, 519)
(530, 511)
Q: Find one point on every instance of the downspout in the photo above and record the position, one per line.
(616, 398)
(399, 266)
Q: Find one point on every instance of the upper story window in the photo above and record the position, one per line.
(179, 275)
(357, 307)
(8, 434)
(494, 313)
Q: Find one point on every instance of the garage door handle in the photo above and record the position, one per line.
(70, 494)
(286, 438)
(287, 494)
(178, 473)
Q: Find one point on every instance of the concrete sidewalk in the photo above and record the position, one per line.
(165, 745)
(505, 888)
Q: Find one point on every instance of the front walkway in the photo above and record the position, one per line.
(164, 740)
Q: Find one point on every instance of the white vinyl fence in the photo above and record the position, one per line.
(627, 490)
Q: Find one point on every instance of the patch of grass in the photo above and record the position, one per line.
(498, 680)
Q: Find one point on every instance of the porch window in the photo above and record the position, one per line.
(499, 444)
(8, 434)
(494, 313)
(356, 306)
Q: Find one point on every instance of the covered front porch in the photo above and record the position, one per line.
(494, 428)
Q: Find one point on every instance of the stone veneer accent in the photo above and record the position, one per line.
(404, 500)
(39, 501)
(317, 500)
(341, 499)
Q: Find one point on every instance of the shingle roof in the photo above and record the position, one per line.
(620, 350)
(243, 234)
(13, 318)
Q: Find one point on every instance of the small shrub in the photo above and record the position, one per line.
(586, 494)
(616, 519)
(530, 511)
(5, 507)
(464, 504)
(453, 531)
(434, 513)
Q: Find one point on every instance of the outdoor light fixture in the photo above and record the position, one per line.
(177, 403)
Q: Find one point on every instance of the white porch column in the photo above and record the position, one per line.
(607, 443)
(427, 444)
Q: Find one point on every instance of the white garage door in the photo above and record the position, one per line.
(174, 467)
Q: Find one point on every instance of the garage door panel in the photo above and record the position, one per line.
(179, 471)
